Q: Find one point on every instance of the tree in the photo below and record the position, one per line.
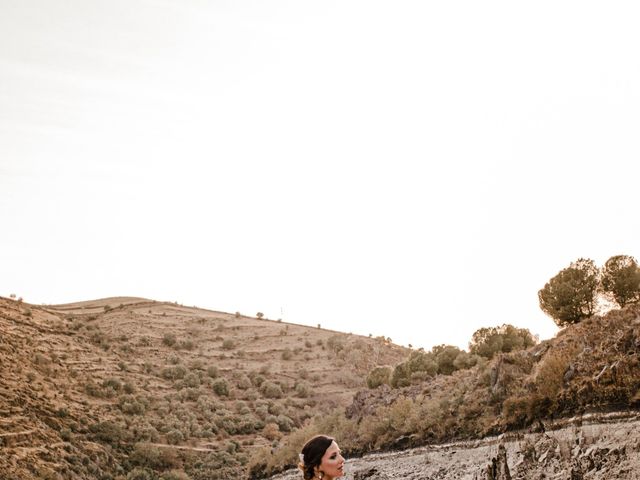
(401, 376)
(486, 342)
(445, 356)
(570, 296)
(378, 376)
(621, 279)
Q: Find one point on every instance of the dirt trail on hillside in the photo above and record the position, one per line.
(600, 447)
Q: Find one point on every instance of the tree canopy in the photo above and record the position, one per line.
(488, 341)
(621, 279)
(570, 296)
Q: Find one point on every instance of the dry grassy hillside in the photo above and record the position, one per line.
(135, 389)
(590, 367)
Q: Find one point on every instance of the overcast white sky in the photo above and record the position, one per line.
(416, 170)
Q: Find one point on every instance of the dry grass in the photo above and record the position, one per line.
(199, 390)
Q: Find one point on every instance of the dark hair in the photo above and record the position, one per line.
(312, 454)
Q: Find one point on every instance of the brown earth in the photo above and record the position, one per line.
(124, 386)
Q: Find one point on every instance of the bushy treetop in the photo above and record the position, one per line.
(488, 341)
(570, 296)
(621, 279)
(573, 294)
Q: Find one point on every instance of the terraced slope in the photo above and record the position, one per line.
(133, 388)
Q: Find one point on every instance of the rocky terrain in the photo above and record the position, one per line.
(589, 369)
(603, 447)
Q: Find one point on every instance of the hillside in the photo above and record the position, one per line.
(137, 389)
(592, 367)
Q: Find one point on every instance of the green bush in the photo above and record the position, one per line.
(173, 373)
(487, 342)
(221, 387)
(169, 339)
(109, 432)
(271, 390)
(175, 437)
(379, 376)
(401, 376)
(302, 389)
(243, 382)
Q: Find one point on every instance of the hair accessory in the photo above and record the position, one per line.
(301, 455)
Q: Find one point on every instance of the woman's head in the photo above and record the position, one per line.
(320, 458)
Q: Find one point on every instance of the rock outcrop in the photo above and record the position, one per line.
(599, 447)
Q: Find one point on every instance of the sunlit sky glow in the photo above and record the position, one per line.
(416, 170)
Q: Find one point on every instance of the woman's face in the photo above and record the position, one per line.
(332, 463)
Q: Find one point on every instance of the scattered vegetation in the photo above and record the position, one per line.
(515, 383)
(575, 292)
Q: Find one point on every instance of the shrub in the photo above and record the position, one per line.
(191, 380)
(271, 390)
(131, 406)
(212, 371)
(174, 437)
(109, 432)
(378, 376)
(228, 344)
(169, 339)
(220, 387)
(271, 431)
(401, 376)
(243, 382)
(302, 389)
(445, 356)
(420, 361)
(550, 375)
(335, 343)
(173, 373)
(465, 361)
(486, 342)
(287, 354)
(186, 345)
(146, 455)
(257, 380)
